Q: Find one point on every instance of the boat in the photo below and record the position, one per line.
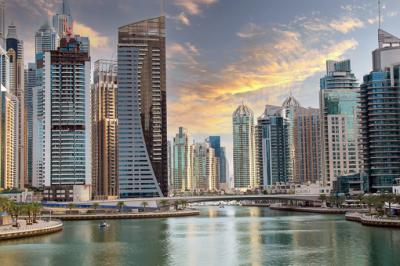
(103, 225)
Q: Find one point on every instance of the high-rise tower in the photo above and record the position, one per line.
(67, 123)
(104, 129)
(244, 148)
(181, 167)
(62, 20)
(142, 113)
(15, 51)
(380, 115)
(338, 106)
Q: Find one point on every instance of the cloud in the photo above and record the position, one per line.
(96, 39)
(251, 30)
(346, 25)
(262, 74)
(343, 25)
(190, 7)
(193, 7)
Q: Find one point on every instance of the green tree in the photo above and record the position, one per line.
(120, 205)
(4, 204)
(184, 203)
(36, 208)
(95, 205)
(27, 209)
(15, 210)
(70, 206)
(163, 203)
(145, 204)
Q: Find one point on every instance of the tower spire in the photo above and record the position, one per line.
(379, 14)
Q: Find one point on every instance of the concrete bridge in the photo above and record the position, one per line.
(154, 202)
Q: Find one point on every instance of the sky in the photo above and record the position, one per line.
(221, 53)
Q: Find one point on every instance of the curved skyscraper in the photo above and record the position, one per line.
(141, 108)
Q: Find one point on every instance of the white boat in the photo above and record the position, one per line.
(103, 225)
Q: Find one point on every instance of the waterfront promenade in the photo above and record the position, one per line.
(320, 210)
(40, 228)
(370, 220)
(123, 215)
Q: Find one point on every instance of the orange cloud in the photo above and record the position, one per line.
(96, 39)
(193, 6)
(262, 75)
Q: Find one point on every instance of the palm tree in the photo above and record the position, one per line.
(28, 210)
(36, 207)
(4, 204)
(145, 204)
(120, 205)
(389, 198)
(184, 203)
(15, 210)
(369, 200)
(95, 205)
(70, 206)
(163, 203)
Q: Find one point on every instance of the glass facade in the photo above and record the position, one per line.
(244, 148)
(142, 114)
(67, 116)
(274, 147)
(338, 106)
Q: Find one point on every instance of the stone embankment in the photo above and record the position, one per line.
(314, 209)
(40, 228)
(369, 220)
(108, 216)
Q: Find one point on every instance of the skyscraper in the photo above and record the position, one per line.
(104, 129)
(274, 161)
(244, 148)
(204, 168)
(142, 113)
(290, 108)
(8, 139)
(15, 51)
(67, 111)
(2, 22)
(4, 68)
(338, 106)
(30, 83)
(380, 115)
(62, 20)
(307, 141)
(46, 39)
(215, 143)
(181, 166)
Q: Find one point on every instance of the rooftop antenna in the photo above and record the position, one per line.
(379, 12)
(162, 7)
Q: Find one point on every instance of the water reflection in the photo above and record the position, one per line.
(220, 236)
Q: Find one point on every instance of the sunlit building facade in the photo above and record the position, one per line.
(204, 168)
(182, 164)
(104, 130)
(244, 148)
(307, 141)
(339, 125)
(8, 139)
(15, 51)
